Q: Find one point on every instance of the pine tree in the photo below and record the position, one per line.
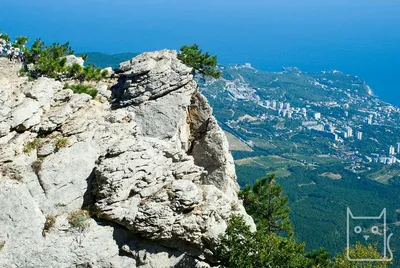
(202, 63)
(38, 47)
(5, 37)
(268, 206)
(20, 41)
(269, 245)
(241, 248)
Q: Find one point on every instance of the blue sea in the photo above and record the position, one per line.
(359, 37)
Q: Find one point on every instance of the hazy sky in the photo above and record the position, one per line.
(357, 36)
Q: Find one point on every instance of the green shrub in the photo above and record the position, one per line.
(78, 219)
(2, 243)
(50, 61)
(74, 70)
(81, 88)
(90, 73)
(22, 72)
(20, 41)
(32, 54)
(104, 73)
(31, 145)
(62, 143)
(360, 251)
(84, 56)
(5, 37)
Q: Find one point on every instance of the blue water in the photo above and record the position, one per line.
(360, 37)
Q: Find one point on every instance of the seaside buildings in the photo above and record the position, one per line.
(330, 128)
(304, 111)
(349, 132)
(359, 135)
(369, 119)
(391, 150)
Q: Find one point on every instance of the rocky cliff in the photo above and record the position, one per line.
(138, 177)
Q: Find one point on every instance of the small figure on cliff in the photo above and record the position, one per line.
(11, 55)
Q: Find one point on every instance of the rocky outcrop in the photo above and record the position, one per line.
(152, 75)
(72, 59)
(152, 166)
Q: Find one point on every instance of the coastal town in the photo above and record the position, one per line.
(332, 128)
(345, 117)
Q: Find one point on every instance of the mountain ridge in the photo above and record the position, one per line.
(104, 60)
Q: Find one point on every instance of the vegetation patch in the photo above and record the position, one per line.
(273, 243)
(31, 145)
(81, 88)
(385, 175)
(48, 224)
(22, 72)
(78, 219)
(62, 143)
(203, 63)
(50, 61)
(2, 243)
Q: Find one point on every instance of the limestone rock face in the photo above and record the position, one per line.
(210, 148)
(152, 166)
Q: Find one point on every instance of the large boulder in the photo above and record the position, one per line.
(71, 59)
(43, 91)
(153, 75)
